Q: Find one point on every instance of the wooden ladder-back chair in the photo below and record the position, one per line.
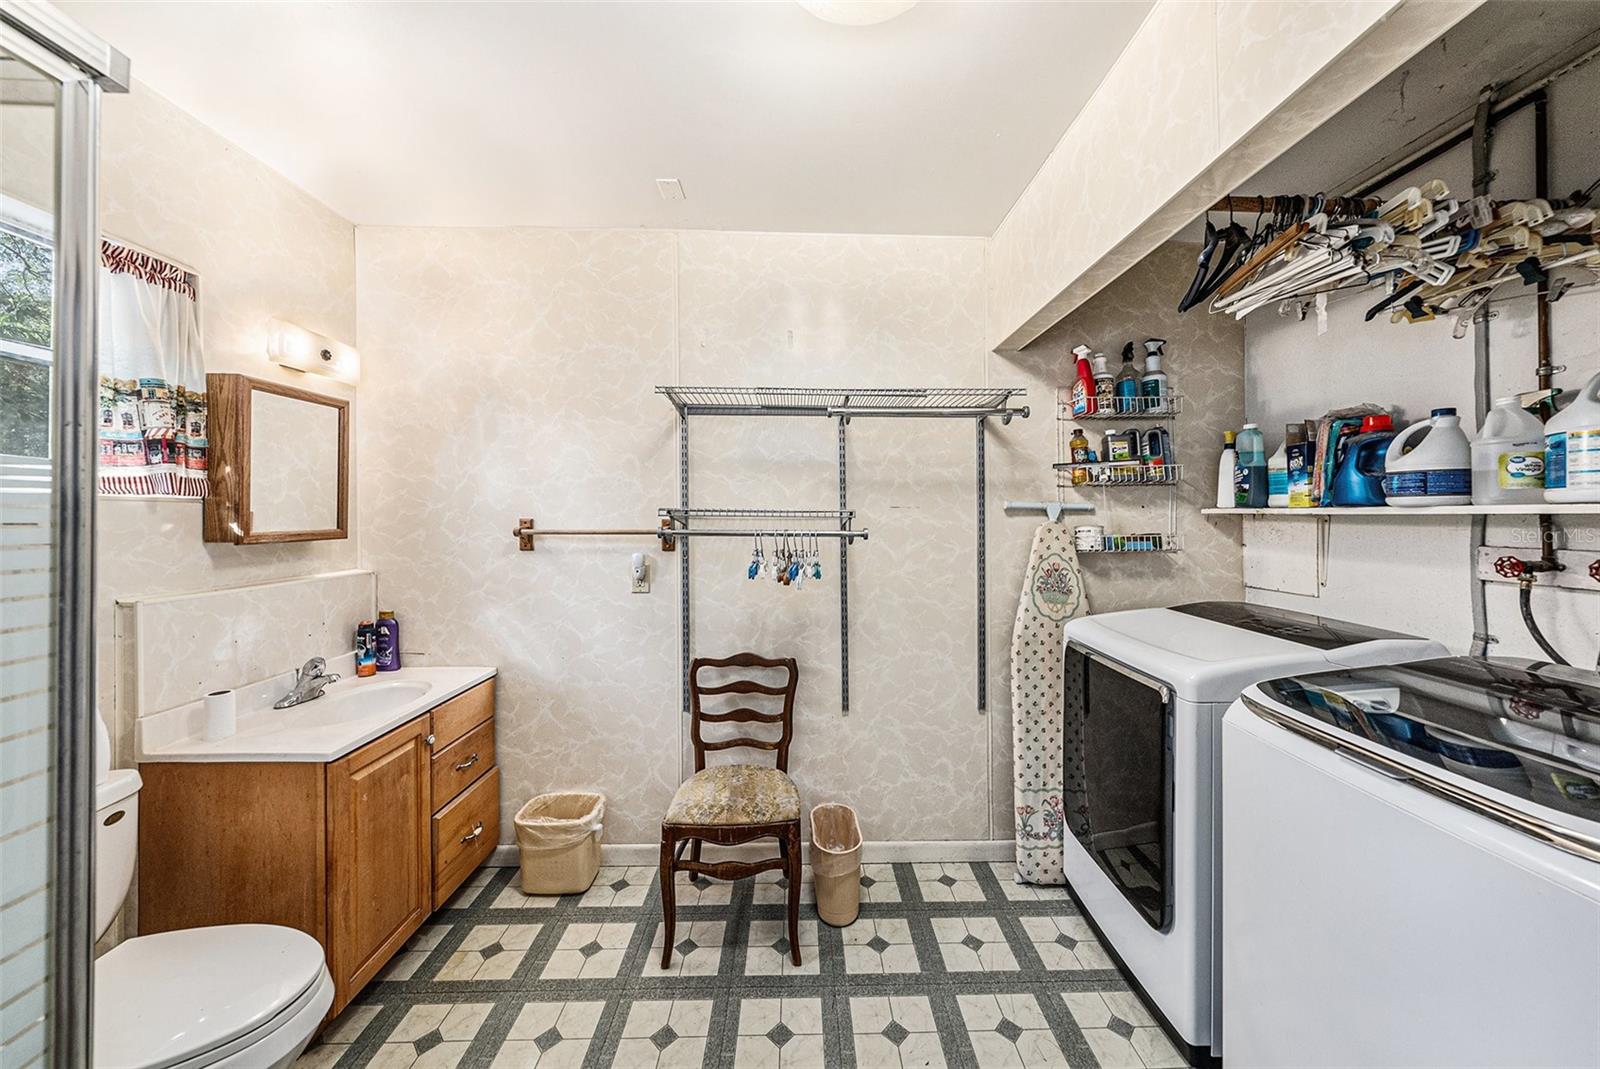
(732, 804)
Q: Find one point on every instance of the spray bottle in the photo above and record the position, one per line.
(1105, 385)
(1153, 386)
(1083, 400)
(1127, 385)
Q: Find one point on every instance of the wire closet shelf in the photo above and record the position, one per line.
(760, 523)
(915, 402)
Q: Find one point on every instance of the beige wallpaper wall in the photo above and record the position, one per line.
(510, 372)
(262, 248)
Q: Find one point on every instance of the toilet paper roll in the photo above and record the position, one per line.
(221, 715)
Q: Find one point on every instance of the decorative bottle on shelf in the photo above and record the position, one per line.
(388, 642)
(1083, 399)
(1225, 470)
(1153, 386)
(1127, 385)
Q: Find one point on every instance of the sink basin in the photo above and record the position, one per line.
(357, 702)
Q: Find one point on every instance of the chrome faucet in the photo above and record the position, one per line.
(308, 684)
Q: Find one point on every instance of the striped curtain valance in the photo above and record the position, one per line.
(119, 259)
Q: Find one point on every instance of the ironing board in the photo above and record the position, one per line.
(1052, 593)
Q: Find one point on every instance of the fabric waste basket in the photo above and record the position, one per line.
(558, 836)
(836, 863)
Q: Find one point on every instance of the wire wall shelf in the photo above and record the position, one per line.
(924, 402)
(1167, 406)
(1115, 474)
(759, 523)
(1152, 542)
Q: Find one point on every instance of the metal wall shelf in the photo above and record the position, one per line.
(1114, 475)
(1133, 408)
(1152, 542)
(927, 403)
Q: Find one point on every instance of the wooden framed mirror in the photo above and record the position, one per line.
(279, 463)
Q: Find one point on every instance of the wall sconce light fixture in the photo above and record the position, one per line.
(301, 349)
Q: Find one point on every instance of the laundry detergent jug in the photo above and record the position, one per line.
(1572, 449)
(1436, 471)
(1359, 479)
(1508, 456)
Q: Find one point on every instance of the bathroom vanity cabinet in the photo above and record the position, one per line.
(357, 851)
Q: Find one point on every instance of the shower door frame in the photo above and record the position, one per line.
(83, 67)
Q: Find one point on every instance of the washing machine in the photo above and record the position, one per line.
(1413, 868)
(1144, 692)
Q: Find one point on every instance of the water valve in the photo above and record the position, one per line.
(1509, 567)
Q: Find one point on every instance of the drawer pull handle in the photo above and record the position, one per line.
(474, 833)
(468, 763)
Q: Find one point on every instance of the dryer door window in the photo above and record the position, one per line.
(1118, 778)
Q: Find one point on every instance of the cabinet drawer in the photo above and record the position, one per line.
(462, 713)
(458, 765)
(464, 835)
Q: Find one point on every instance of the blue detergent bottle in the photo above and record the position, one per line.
(1359, 479)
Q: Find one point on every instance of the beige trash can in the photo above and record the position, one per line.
(836, 863)
(558, 836)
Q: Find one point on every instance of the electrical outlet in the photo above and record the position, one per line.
(639, 573)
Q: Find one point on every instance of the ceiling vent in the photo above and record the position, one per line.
(669, 188)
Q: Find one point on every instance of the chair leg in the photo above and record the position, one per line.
(694, 850)
(668, 895)
(791, 851)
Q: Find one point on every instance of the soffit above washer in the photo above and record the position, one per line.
(565, 114)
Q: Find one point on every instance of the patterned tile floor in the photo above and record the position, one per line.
(949, 964)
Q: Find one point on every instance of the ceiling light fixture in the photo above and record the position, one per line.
(857, 12)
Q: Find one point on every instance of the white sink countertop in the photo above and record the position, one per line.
(350, 713)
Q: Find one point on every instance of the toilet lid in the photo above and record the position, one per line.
(166, 998)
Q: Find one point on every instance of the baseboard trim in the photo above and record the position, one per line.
(505, 855)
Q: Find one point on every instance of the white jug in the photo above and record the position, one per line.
(1508, 457)
(1436, 472)
(1572, 449)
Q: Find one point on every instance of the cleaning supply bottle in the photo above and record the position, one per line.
(1082, 384)
(1225, 466)
(1079, 451)
(1508, 456)
(1298, 454)
(1153, 385)
(1359, 478)
(1250, 474)
(1105, 385)
(1278, 477)
(1127, 385)
(366, 648)
(388, 642)
(1572, 449)
(1438, 471)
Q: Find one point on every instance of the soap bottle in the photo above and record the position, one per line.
(1079, 447)
(1105, 385)
(1297, 455)
(388, 642)
(1083, 399)
(1127, 385)
(1250, 474)
(1225, 467)
(1278, 477)
(1153, 386)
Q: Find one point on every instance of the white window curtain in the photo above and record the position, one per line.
(152, 378)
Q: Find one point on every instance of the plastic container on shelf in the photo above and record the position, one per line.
(1225, 467)
(1358, 482)
(1436, 471)
(1572, 449)
(1278, 477)
(1508, 456)
(1250, 472)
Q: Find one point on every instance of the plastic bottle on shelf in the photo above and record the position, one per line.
(1083, 400)
(1436, 472)
(1508, 456)
(1250, 473)
(1105, 385)
(1572, 449)
(1298, 455)
(1278, 477)
(1153, 386)
(1079, 452)
(1225, 466)
(1127, 385)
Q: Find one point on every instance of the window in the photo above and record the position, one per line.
(26, 291)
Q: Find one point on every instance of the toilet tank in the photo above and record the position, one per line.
(116, 843)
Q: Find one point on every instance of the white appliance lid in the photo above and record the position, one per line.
(1498, 727)
(165, 998)
(1210, 656)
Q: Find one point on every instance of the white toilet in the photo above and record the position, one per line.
(235, 996)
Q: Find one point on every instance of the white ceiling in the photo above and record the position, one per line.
(565, 114)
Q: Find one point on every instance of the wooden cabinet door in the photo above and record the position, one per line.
(380, 877)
